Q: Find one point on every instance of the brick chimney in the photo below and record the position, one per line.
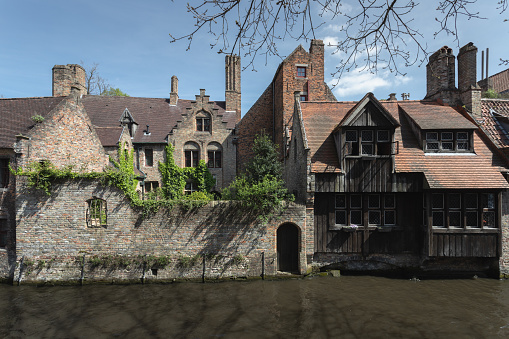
(470, 92)
(316, 50)
(441, 76)
(67, 76)
(232, 89)
(174, 94)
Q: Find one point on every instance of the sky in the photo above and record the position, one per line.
(130, 42)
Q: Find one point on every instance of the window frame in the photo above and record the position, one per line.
(149, 157)
(97, 213)
(465, 214)
(4, 232)
(299, 73)
(151, 185)
(361, 204)
(203, 122)
(4, 172)
(216, 161)
(190, 187)
(442, 138)
(356, 143)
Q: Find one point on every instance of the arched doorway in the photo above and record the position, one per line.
(288, 248)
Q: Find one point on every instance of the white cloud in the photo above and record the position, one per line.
(358, 83)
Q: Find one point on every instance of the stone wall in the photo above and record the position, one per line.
(67, 76)
(53, 236)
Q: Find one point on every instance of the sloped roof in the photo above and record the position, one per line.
(452, 171)
(320, 119)
(478, 170)
(15, 116)
(432, 115)
(495, 112)
(105, 112)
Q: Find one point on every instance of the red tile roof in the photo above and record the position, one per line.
(15, 116)
(432, 115)
(105, 112)
(452, 171)
(495, 113)
(320, 119)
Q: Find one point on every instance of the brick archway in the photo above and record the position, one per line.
(288, 238)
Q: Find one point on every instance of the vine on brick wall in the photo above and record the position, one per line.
(42, 174)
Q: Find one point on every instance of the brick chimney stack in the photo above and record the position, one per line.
(470, 92)
(232, 88)
(67, 76)
(174, 94)
(317, 50)
(441, 77)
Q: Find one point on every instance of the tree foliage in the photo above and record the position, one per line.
(373, 33)
(114, 92)
(261, 189)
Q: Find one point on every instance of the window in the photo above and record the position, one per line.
(368, 142)
(303, 97)
(447, 141)
(463, 210)
(301, 71)
(203, 122)
(190, 188)
(4, 231)
(96, 213)
(214, 151)
(4, 172)
(380, 208)
(191, 154)
(151, 185)
(149, 157)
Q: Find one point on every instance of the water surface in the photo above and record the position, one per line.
(346, 307)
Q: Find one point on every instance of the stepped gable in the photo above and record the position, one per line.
(15, 116)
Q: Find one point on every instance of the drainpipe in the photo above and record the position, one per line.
(273, 114)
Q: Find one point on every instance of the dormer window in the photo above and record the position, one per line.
(368, 142)
(202, 122)
(447, 141)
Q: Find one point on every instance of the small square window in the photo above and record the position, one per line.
(447, 146)
(462, 136)
(389, 201)
(356, 201)
(374, 201)
(351, 136)
(340, 201)
(367, 136)
(383, 136)
(446, 136)
(340, 217)
(374, 218)
(367, 149)
(389, 217)
(301, 72)
(355, 217)
(431, 136)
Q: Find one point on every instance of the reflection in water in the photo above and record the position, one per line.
(314, 308)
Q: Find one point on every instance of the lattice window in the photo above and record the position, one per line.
(4, 172)
(4, 232)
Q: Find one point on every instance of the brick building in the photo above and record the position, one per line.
(271, 114)
(200, 128)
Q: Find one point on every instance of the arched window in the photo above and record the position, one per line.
(215, 155)
(191, 154)
(96, 212)
(203, 122)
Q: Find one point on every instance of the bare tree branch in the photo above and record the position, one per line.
(375, 34)
(96, 84)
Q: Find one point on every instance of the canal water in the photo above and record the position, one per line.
(321, 307)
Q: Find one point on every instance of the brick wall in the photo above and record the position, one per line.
(67, 76)
(66, 138)
(272, 112)
(53, 230)
(219, 135)
(7, 216)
